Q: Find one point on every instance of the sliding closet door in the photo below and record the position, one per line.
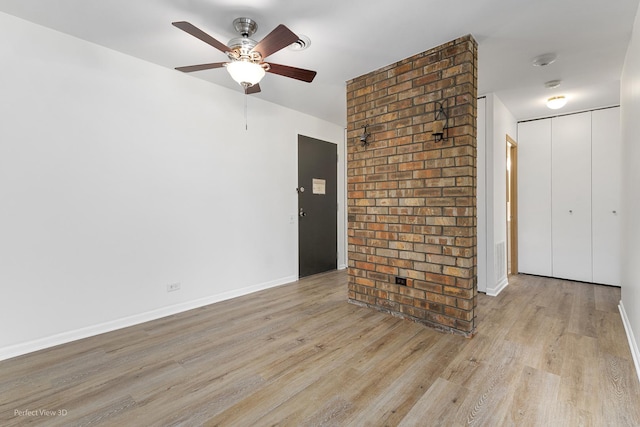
(534, 197)
(571, 196)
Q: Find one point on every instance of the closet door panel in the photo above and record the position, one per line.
(534, 197)
(606, 184)
(571, 196)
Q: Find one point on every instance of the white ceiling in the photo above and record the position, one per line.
(350, 38)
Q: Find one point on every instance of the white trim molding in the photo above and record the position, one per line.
(66, 337)
(499, 287)
(633, 345)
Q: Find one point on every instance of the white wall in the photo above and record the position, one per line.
(118, 177)
(630, 111)
(499, 123)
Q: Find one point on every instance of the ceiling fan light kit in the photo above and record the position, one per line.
(246, 56)
(246, 73)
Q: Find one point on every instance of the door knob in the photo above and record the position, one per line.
(302, 213)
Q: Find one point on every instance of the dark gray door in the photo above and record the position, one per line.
(317, 205)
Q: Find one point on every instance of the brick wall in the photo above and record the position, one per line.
(411, 200)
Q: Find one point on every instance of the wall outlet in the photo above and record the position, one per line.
(171, 287)
(401, 281)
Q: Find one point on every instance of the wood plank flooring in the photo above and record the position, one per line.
(547, 353)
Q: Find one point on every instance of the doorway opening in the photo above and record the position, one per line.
(512, 206)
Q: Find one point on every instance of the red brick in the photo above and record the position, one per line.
(411, 200)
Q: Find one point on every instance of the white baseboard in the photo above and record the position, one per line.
(499, 287)
(66, 337)
(633, 345)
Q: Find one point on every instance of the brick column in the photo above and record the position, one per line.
(411, 200)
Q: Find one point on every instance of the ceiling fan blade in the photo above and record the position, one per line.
(191, 68)
(277, 39)
(198, 33)
(252, 89)
(293, 72)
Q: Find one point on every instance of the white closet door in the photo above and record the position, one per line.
(606, 184)
(571, 196)
(534, 197)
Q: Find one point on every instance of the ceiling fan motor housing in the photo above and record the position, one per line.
(242, 47)
(245, 26)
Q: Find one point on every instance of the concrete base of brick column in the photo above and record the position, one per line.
(431, 324)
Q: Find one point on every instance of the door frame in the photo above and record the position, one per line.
(512, 206)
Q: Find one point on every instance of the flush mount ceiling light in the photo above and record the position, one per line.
(544, 60)
(556, 102)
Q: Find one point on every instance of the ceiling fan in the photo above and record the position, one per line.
(246, 56)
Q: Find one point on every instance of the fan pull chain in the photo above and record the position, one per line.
(246, 125)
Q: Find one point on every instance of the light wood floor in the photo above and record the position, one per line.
(547, 353)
